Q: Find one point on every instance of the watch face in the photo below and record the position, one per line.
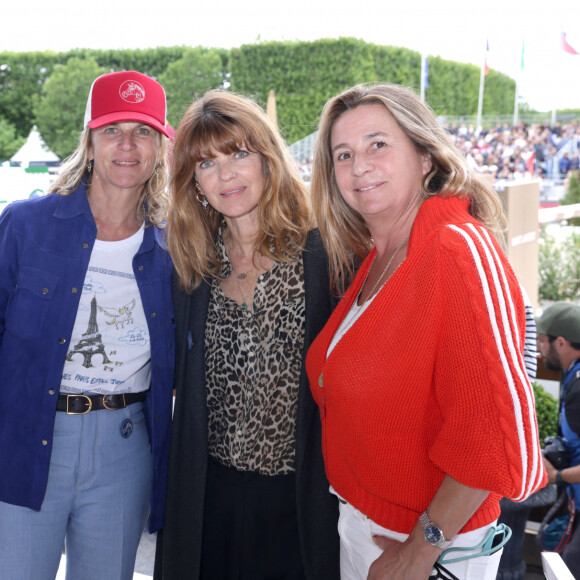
(432, 534)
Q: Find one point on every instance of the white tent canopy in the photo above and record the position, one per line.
(34, 152)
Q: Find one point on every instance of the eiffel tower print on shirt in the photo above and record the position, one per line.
(91, 343)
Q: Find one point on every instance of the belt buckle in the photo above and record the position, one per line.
(113, 408)
(89, 403)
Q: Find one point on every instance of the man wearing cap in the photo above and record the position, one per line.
(559, 344)
(87, 347)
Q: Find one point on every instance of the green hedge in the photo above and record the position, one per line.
(303, 75)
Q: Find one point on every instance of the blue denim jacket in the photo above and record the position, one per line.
(45, 246)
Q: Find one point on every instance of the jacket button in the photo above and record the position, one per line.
(62, 340)
(51, 391)
(85, 245)
(153, 314)
(44, 290)
(140, 267)
(45, 442)
(74, 290)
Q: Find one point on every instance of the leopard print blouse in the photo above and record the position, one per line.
(253, 360)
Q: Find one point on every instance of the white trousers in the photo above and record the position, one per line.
(358, 551)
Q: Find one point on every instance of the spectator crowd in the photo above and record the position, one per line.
(510, 153)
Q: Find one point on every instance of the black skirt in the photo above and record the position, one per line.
(250, 529)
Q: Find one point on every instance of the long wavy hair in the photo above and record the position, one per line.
(225, 122)
(345, 234)
(154, 197)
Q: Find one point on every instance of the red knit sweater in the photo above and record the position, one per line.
(430, 380)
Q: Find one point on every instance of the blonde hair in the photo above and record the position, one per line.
(224, 122)
(73, 172)
(344, 232)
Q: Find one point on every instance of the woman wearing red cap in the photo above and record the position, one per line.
(86, 347)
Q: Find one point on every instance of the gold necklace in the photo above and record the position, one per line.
(345, 325)
(242, 276)
(383, 272)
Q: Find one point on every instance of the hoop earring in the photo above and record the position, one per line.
(203, 201)
(90, 166)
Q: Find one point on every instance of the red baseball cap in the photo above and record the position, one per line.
(126, 96)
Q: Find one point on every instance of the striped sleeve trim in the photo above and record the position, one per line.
(530, 346)
(502, 317)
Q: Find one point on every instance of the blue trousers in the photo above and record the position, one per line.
(96, 502)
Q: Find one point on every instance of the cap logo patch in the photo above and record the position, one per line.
(132, 92)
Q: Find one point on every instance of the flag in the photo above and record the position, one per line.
(531, 162)
(485, 67)
(425, 72)
(565, 46)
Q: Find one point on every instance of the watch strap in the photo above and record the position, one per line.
(432, 532)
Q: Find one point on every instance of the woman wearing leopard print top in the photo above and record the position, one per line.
(247, 493)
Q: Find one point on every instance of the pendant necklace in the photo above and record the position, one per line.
(352, 317)
(242, 276)
(383, 272)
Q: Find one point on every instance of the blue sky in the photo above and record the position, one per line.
(453, 29)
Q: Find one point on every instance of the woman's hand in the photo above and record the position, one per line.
(451, 507)
(407, 560)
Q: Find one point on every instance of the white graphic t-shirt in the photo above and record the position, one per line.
(109, 350)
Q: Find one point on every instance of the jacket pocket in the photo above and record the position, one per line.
(31, 303)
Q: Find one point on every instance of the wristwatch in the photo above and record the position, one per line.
(432, 533)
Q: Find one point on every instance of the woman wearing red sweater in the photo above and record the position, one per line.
(427, 412)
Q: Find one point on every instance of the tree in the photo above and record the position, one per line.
(573, 192)
(572, 195)
(559, 268)
(60, 113)
(9, 141)
(22, 76)
(546, 412)
(188, 78)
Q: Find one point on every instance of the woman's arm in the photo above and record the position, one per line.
(451, 507)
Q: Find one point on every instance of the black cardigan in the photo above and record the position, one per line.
(178, 554)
